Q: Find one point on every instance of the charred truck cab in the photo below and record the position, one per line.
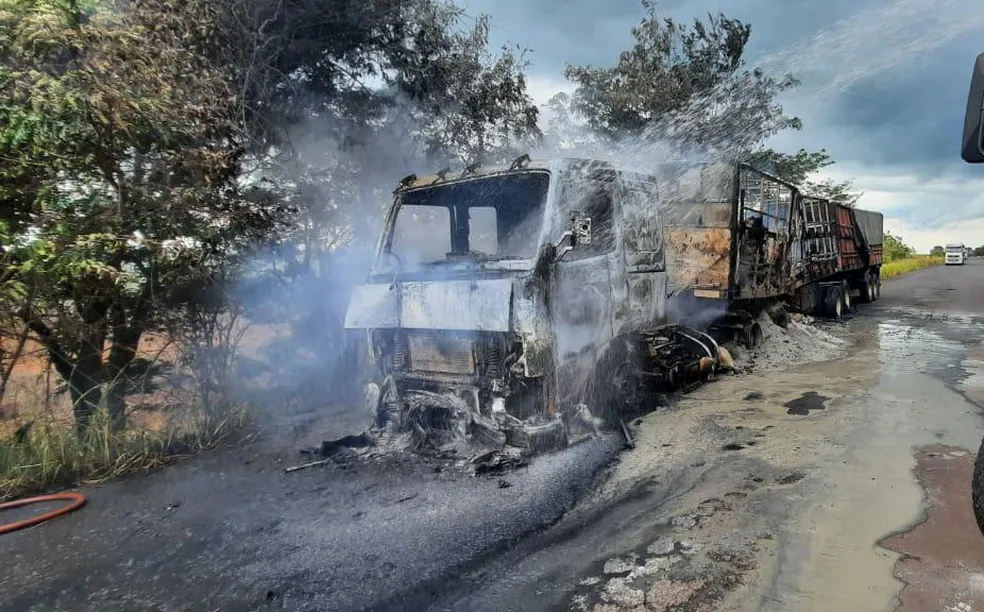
(517, 305)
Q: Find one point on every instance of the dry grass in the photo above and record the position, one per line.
(166, 421)
(52, 455)
(909, 264)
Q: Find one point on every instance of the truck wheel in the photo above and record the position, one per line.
(866, 294)
(977, 488)
(876, 283)
(833, 302)
(846, 294)
(752, 335)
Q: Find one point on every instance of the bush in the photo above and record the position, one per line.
(909, 264)
(43, 452)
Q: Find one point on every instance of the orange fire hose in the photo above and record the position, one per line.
(77, 501)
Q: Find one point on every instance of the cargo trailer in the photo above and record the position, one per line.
(739, 240)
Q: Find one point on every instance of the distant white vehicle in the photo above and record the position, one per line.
(956, 254)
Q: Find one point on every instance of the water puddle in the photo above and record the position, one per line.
(907, 348)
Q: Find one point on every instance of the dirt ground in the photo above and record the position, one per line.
(840, 483)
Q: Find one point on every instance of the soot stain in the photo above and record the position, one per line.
(802, 405)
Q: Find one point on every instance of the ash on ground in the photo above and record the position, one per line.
(804, 340)
(367, 448)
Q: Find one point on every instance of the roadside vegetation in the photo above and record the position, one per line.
(900, 258)
(187, 190)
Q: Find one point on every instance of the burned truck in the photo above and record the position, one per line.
(521, 305)
(740, 241)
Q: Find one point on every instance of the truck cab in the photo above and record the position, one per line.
(504, 301)
(955, 254)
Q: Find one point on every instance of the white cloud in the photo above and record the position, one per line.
(541, 88)
(924, 213)
(971, 233)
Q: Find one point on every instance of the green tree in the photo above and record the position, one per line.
(688, 83)
(894, 248)
(979, 251)
(121, 147)
(938, 251)
(344, 98)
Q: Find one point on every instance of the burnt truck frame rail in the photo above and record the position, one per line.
(740, 240)
(521, 306)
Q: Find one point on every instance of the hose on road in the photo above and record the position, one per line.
(77, 500)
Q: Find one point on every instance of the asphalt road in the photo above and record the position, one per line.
(728, 502)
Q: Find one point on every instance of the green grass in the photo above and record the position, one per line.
(51, 455)
(909, 264)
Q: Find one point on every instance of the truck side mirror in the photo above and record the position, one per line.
(973, 134)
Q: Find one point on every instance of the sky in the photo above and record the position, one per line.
(884, 87)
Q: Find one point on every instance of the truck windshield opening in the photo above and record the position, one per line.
(490, 218)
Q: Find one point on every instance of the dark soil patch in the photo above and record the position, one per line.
(802, 405)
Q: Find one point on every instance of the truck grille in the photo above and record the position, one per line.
(445, 353)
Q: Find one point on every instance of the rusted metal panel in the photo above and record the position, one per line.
(441, 352)
(698, 257)
(875, 255)
(850, 258)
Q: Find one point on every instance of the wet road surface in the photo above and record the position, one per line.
(792, 491)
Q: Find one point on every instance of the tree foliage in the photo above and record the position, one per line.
(894, 248)
(112, 129)
(687, 83)
(688, 88)
(147, 147)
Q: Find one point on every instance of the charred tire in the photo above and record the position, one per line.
(617, 389)
(752, 335)
(749, 338)
(757, 335)
(977, 488)
(780, 317)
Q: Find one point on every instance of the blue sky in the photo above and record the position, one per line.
(884, 87)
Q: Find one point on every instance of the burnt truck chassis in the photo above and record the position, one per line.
(534, 354)
(496, 405)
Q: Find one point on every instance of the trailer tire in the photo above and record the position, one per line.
(781, 318)
(752, 335)
(877, 285)
(833, 302)
(866, 293)
(845, 289)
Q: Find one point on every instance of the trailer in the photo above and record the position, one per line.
(838, 256)
(739, 240)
